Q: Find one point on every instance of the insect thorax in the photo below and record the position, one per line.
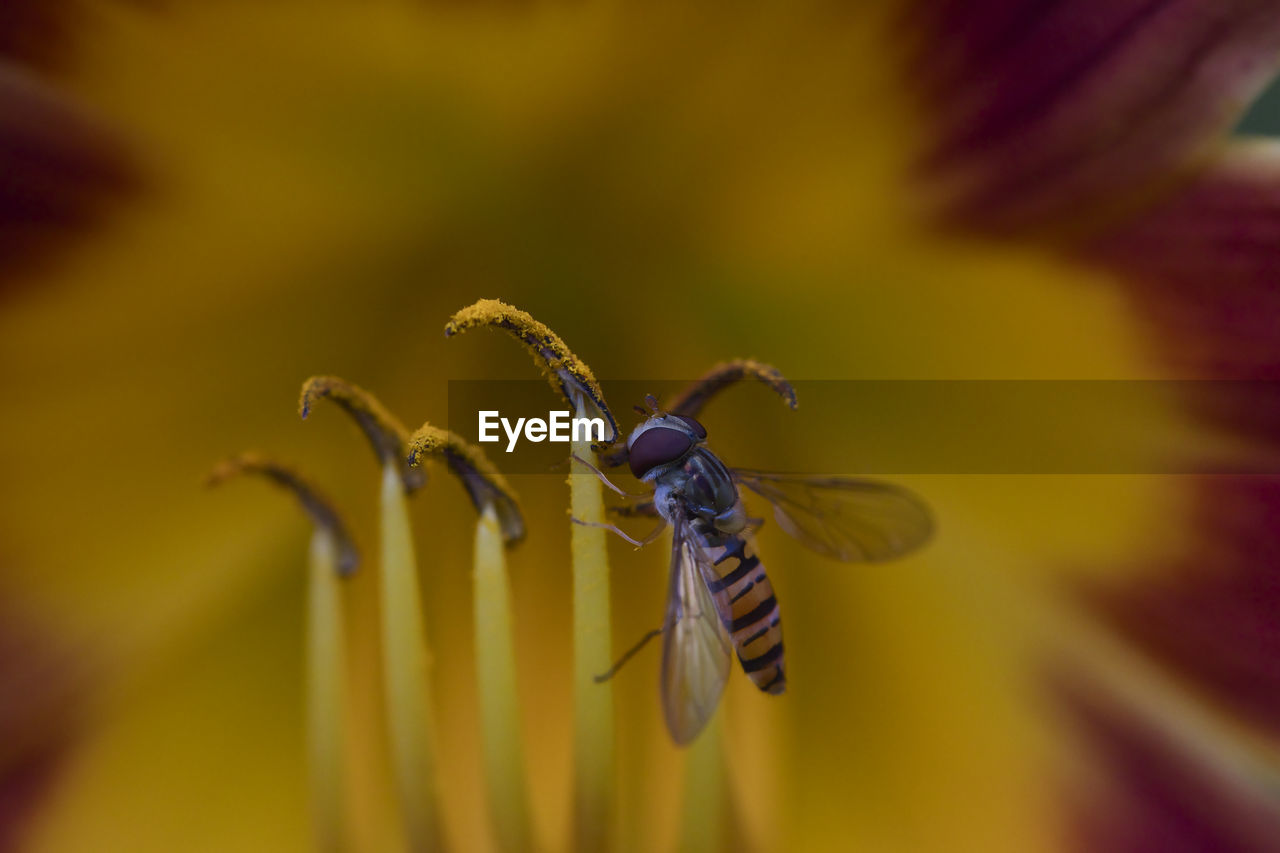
(700, 487)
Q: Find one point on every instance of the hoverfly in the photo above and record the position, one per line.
(719, 597)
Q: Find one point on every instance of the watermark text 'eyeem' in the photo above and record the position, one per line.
(557, 427)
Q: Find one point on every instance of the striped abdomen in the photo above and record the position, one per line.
(755, 622)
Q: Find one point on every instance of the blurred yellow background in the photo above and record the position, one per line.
(325, 183)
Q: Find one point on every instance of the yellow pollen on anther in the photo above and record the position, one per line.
(569, 375)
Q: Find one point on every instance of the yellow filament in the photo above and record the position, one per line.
(592, 650)
(326, 659)
(407, 670)
(496, 677)
(332, 557)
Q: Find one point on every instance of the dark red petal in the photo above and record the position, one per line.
(36, 32)
(41, 694)
(1205, 264)
(1212, 617)
(1202, 269)
(58, 169)
(24, 786)
(1150, 793)
(1063, 113)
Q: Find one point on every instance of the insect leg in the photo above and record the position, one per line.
(628, 655)
(616, 458)
(604, 479)
(613, 528)
(643, 508)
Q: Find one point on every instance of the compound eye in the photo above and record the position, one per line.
(698, 429)
(657, 446)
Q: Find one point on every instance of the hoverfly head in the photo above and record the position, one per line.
(662, 440)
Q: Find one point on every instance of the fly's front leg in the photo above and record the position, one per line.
(604, 478)
(644, 509)
(616, 458)
(613, 528)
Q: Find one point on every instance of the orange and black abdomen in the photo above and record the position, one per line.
(755, 622)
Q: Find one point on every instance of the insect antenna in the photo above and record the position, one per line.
(641, 410)
(652, 402)
(628, 655)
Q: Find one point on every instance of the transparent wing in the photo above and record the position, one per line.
(848, 519)
(696, 649)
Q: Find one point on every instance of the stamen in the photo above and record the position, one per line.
(592, 635)
(326, 693)
(332, 557)
(592, 641)
(691, 400)
(496, 679)
(406, 661)
(500, 524)
(407, 669)
(569, 375)
(486, 486)
(385, 432)
(316, 505)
